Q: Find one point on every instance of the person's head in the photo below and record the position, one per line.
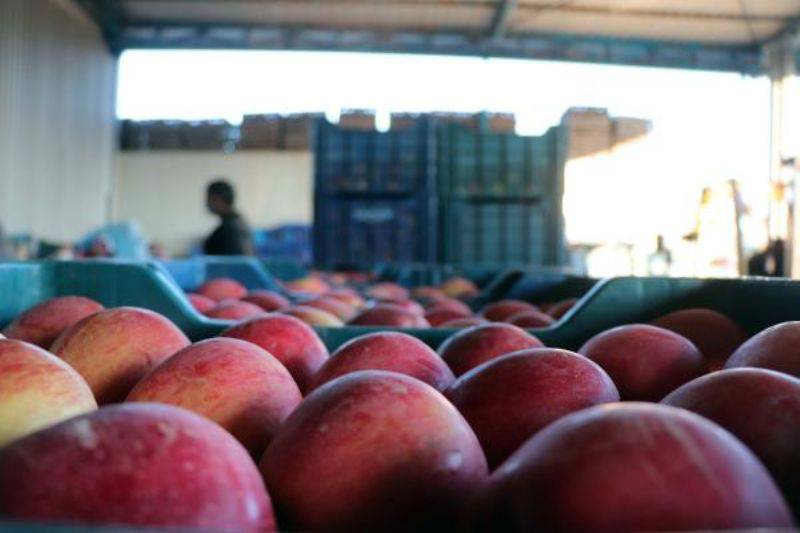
(220, 197)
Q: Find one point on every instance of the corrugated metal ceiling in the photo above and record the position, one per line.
(723, 35)
(710, 21)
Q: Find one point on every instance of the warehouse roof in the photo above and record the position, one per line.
(710, 34)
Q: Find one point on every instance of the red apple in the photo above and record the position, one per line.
(337, 308)
(312, 284)
(392, 351)
(453, 305)
(530, 319)
(645, 362)
(466, 322)
(389, 315)
(458, 287)
(267, 300)
(437, 316)
(202, 304)
(289, 339)
(387, 291)
(238, 385)
(234, 310)
(500, 311)
(37, 389)
(140, 465)
(632, 467)
(219, 289)
(472, 347)
(760, 407)
(512, 397)
(409, 305)
(428, 293)
(714, 334)
(42, 323)
(775, 348)
(559, 309)
(373, 451)
(314, 316)
(348, 296)
(114, 348)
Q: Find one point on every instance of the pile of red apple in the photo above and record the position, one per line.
(381, 304)
(261, 428)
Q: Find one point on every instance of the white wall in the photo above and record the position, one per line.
(165, 190)
(57, 82)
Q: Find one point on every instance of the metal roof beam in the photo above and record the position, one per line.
(743, 59)
(500, 19)
(108, 17)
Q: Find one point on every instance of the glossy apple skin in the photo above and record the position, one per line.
(394, 454)
(559, 309)
(500, 311)
(37, 389)
(341, 310)
(459, 287)
(531, 319)
(714, 334)
(219, 289)
(348, 296)
(427, 293)
(645, 362)
(631, 467)
(509, 399)
(267, 300)
(235, 383)
(436, 316)
(314, 316)
(762, 408)
(388, 315)
(115, 348)
(135, 465)
(453, 304)
(289, 339)
(411, 306)
(388, 291)
(468, 322)
(391, 351)
(201, 304)
(775, 348)
(234, 310)
(472, 347)
(43, 323)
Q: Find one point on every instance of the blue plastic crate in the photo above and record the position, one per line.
(362, 232)
(190, 273)
(351, 161)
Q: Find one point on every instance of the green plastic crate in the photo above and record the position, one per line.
(112, 283)
(480, 162)
(536, 285)
(755, 303)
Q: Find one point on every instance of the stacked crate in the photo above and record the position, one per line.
(178, 135)
(260, 132)
(375, 195)
(210, 135)
(500, 196)
(588, 131)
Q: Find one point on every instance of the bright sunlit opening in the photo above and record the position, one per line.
(708, 128)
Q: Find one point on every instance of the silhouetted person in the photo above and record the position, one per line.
(232, 236)
(769, 262)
